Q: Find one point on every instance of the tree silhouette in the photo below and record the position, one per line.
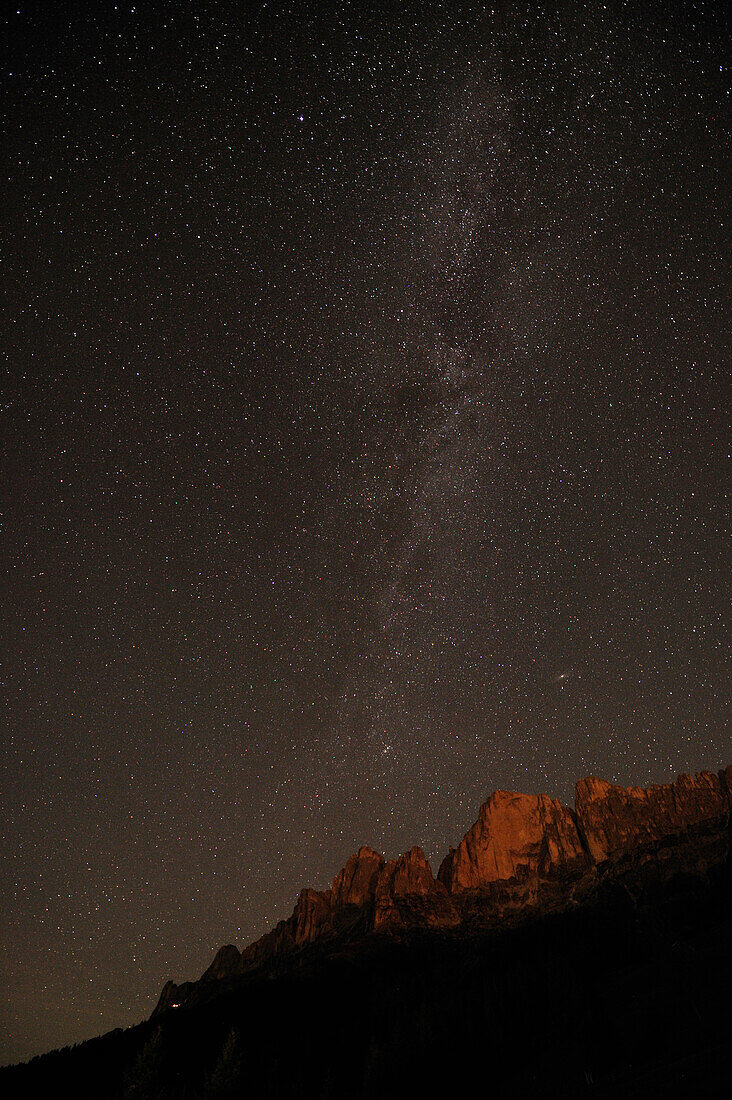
(225, 1078)
(145, 1079)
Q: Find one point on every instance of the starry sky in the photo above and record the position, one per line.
(364, 450)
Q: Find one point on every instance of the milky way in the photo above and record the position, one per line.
(364, 452)
(428, 594)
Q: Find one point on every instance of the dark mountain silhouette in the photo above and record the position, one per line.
(558, 952)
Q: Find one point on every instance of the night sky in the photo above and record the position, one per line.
(364, 450)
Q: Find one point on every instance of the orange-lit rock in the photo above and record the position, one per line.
(317, 912)
(407, 894)
(617, 820)
(517, 837)
(312, 915)
(524, 856)
(356, 883)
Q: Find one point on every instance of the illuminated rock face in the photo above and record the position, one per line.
(526, 855)
(517, 837)
(616, 821)
(312, 916)
(356, 883)
(317, 912)
(374, 894)
(407, 895)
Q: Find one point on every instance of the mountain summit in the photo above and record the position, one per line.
(525, 857)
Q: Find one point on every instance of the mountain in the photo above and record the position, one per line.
(573, 952)
(526, 856)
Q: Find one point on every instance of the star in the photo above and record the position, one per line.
(332, 449)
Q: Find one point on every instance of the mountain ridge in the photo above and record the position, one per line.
(526, 856)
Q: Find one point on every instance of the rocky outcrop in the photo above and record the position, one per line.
(617, 821)
(407, 895)
(268, 946)
(320, 913)
(525, 855)
(312, 916)
(356, 883)
(173, 996)
(519, 838)
(227, 962)
(367, 895)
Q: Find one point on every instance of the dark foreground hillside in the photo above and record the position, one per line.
(620, 999)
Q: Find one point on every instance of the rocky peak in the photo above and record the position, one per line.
(173, 996)
(356, 883)
(227, 961)
(517, 837)
(408, 894)
(312, 915)
(592, 788)
(409, 874)
(616, 820)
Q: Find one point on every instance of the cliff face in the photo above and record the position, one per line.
(367, 895)
(518, 837)
(616, 821)
(525, 855)
(407, 895)
(226, 962)
(356, 883)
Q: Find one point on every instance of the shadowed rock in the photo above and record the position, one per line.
(227, 962)
(174, 996)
